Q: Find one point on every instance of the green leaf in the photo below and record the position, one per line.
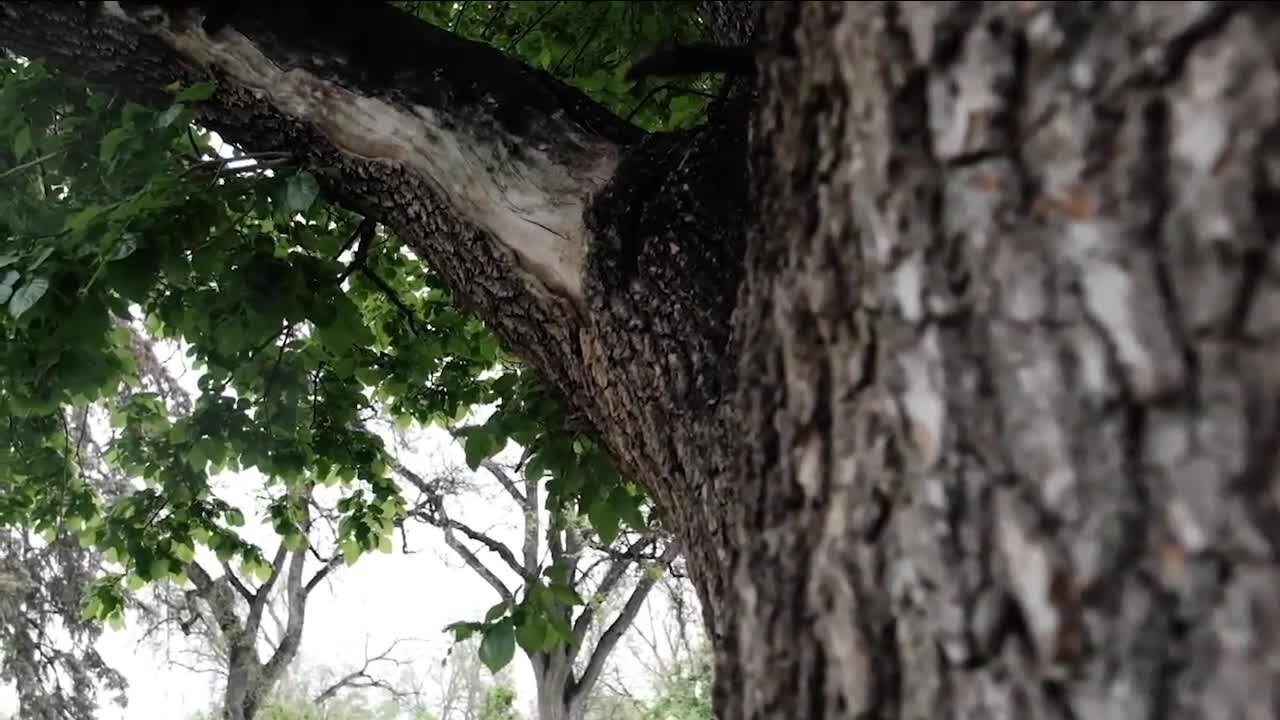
(536, 467)
(22, 143)
(565, 594)
(496, 612)
(557, 573)
(350, 551)
(84, 218)
(27, 296)
(498, 646)
(159, 568)
(111, 143)
(8, 260)
(462, 630)
(40, 258)
(532, 633)
(92, 608)
(116, 621)
(185, 553)
(627, 507)
(479, 446)
(197, 92)
(259, 570)
(301, 191)
(235, 518)
(560, 628)
(125, 247)
(604, 519)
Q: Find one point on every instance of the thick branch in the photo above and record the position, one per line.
(235, 582)
(260, 599)
(221, 605)
(296, 601)
(458, 114)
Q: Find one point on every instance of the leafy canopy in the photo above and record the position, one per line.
(115, 216)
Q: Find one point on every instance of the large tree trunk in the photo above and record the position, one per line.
(1012, 376)
(961, 404)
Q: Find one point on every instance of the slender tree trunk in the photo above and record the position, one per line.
(952, 358)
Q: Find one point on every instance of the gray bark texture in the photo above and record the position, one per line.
(1012, 371)
(950, 351)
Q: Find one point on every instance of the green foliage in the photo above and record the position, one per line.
(499, 704)
(115, 216)
(686, 695)
(590, 45)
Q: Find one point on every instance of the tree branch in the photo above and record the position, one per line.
(296, 602)
(235, 582)
(609, 639)
(261, 597)
(496, 547)
(361, 678)
(617, 569)
(478, 566)
(508, 484)
(330, 565)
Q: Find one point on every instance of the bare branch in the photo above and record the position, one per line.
(432, 512)
(330, 565)
(478, 566)
(500, 473)
(362, 677)
(611, 579)
(609, 639)
(498, 548)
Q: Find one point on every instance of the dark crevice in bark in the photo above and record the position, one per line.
(1256, 259)
(1155, 116)
(1180, 47)
(1259, 474)
(976, 157)
(1170, 662)
(952, 31)
(1059, 700)
(1019, 125)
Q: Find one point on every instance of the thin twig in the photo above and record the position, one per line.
(29, 163)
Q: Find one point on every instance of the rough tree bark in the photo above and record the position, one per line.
(965, 404)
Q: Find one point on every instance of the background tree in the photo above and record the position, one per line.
(667, 663)
(559, 560)
(458, 688)
(46, 642)
(945, 347)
